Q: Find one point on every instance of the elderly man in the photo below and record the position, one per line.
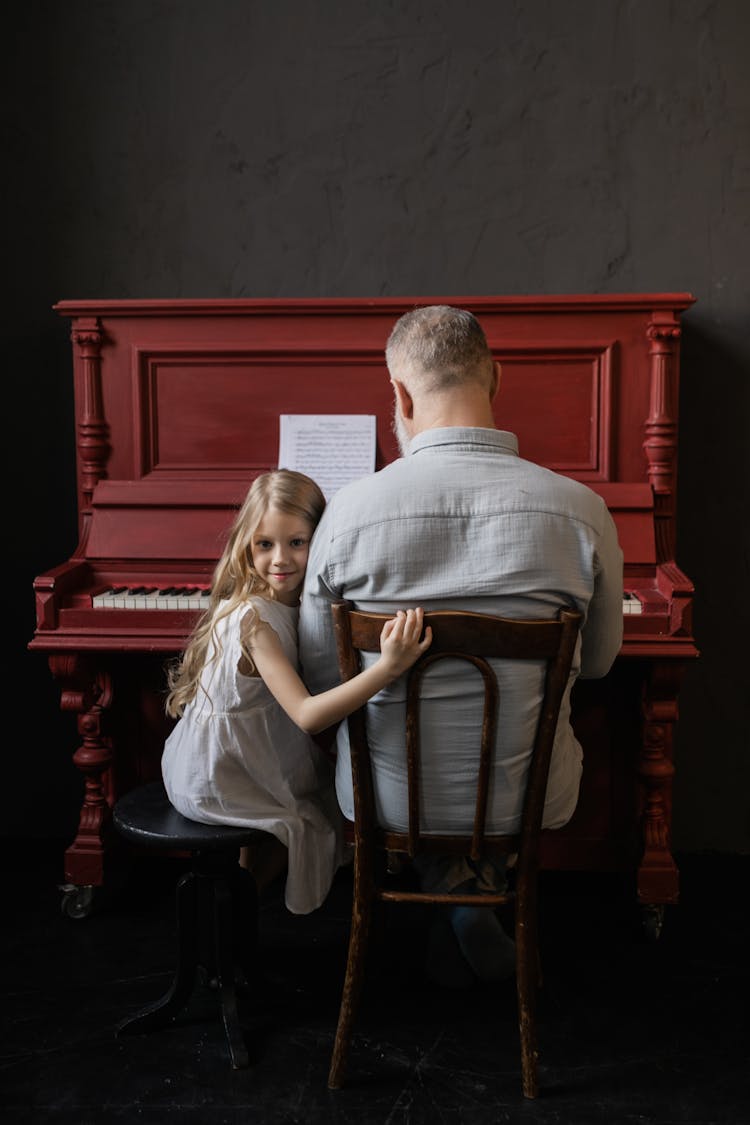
(461, 521)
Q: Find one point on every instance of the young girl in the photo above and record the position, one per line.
(241, 752)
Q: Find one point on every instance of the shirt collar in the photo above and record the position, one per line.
(466, 437)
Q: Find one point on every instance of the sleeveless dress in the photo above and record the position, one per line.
(235, 757)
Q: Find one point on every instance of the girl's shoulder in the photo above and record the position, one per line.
(271, 611)
(281, 619)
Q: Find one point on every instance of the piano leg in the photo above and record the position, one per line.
(658, 876)
(87, 691)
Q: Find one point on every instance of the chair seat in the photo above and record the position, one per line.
(145, 816)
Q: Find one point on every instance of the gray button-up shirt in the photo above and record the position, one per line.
(463, 522)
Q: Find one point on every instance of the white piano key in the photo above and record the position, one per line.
(141, 597)
(164, 598)
(153, 600)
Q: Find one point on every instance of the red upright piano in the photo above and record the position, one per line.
(177, 406)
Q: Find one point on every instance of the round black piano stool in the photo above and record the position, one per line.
(217, 909)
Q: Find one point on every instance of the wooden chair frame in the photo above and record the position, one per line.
(476, 638)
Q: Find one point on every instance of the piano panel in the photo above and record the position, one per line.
(204, 409)
(570, 432)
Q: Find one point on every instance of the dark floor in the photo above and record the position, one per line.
(631, 1030)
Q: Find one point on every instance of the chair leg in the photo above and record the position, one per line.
(355, 970)
(527, 1029)
(527, 977)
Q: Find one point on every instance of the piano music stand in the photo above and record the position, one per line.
(217, 909)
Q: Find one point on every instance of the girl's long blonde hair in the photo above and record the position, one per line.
(235, 578)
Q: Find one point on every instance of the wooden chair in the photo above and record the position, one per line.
(475, 638)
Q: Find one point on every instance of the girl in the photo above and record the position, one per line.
(241, 752)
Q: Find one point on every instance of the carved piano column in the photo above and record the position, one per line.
(657, 876)
(87, 691)
(660, 428)
(93, 431)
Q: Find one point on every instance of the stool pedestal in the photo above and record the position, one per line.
(217, 912)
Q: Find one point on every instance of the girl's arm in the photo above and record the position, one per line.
(400, 647)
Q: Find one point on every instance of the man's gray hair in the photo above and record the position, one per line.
(443, 342)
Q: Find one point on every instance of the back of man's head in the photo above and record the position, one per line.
(441, 346)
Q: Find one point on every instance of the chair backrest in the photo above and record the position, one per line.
(476, 638)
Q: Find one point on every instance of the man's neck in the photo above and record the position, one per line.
(465, 406)
(456, 414)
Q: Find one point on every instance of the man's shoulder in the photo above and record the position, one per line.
(565, 485)
(574, 495)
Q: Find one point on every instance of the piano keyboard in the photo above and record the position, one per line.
(197, 597)
(152, 597)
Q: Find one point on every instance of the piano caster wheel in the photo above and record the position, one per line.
(77, 902)
(652, 920)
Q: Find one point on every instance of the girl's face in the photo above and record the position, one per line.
(279, 548)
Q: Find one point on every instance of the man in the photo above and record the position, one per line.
(460, 521)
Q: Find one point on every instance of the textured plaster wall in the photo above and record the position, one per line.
(247, 148)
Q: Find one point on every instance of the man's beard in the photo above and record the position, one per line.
(403, 439)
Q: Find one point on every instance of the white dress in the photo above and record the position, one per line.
(237, 758)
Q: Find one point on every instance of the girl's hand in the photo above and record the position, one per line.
(400, 643)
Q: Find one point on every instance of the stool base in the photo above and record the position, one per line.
(217, 925)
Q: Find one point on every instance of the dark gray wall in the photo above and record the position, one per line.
(364, 147)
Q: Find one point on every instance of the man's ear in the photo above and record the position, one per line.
(404, 401)
(496, 374)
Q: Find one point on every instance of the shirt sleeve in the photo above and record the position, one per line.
(317, 645)
(601, 636)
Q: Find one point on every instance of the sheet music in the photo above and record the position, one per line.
(333, 449)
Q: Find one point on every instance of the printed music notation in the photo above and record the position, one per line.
(333, 449)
